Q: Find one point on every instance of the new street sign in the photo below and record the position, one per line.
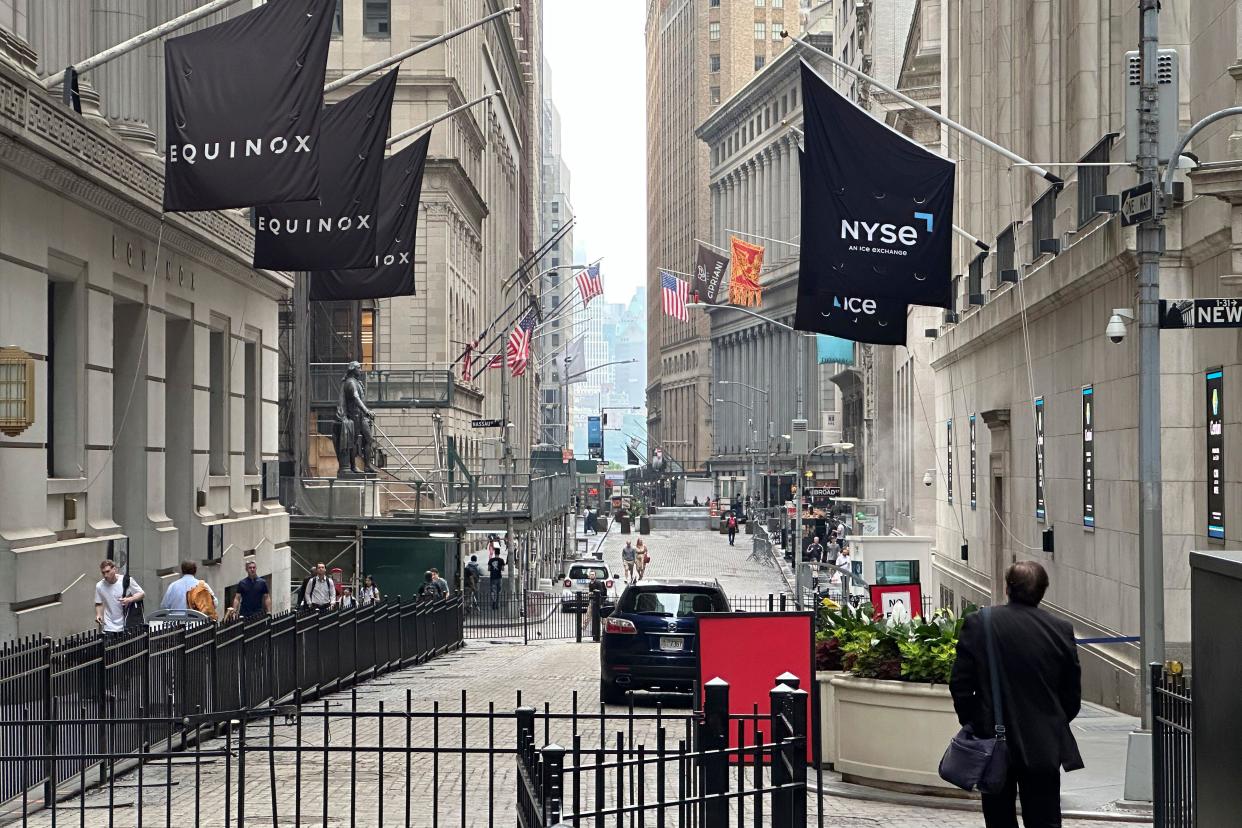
(1137, 204)
(1200, 313)
(485, 423)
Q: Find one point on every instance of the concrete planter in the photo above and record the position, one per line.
(891, 733)
(828, 718)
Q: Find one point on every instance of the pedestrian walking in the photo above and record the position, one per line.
(814, 551)
(430, 590)
(347, 601)
(190, 593)
(731, 526)
(1041, 693)
(440, 582)
(369, 594)
(471, 578)
(118, 600)
(253, 596)
(318, 592)
(844, 564)
(642, 557)
(495, 570)
(629, 560)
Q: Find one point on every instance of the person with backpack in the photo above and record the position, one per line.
(495, 571)
(118, 600)
(471, 578)
(318, 592)
(731, 526)
(190, 593)
(430, 590)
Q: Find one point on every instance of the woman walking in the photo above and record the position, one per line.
(643, 558)
(369, 594)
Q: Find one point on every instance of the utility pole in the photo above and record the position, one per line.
(506, 455)
(801, 378)
(1150, 244)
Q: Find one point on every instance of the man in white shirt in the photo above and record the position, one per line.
(113, 600)
(319, 590)
(174, 596)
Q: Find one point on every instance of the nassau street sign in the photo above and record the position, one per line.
(1136, 204)
(1201, 313)
(485, 423)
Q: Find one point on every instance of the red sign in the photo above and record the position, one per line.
(902, 598)
(593, 491)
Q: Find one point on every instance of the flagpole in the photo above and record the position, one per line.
(428, 124)
(714, 246)
(928, 111)
(414, 50)
(110, 54)
(765, 238)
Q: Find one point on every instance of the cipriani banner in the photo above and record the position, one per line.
(337, 230)
(877, 208)
(392, 269)
(244, 101)
(855, 318)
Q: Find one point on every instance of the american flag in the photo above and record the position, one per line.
(589, 284)
(494, 362)
(517, 354)
(676, 294)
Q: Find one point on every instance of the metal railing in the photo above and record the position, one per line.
(1173, 756)
(79, 684)
(385, 387)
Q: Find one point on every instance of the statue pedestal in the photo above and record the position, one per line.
(346, 474)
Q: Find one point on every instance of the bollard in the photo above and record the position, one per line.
(714, 736)
(782, 773)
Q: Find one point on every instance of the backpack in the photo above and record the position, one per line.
(134, 613)
(430, 590)
(732, 524)
(199, 599)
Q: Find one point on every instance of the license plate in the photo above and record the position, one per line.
(671, 644)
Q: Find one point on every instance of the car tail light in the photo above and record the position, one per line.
(568, 582)
(608, 583)
(619, 626)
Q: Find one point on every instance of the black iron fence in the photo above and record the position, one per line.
(1173, 758)
(530, 616)
(100, 697)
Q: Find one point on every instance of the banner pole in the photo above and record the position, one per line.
(428, 124)
(928, 111)
(414, 50)
(140, 40)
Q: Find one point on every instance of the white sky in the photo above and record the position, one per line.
(596, 52)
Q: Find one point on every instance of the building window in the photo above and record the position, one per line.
(758, 62)
(761, 30)
(556, 224)
(759, 4)
(556, 207)
(17, 384)
(713, 31)
(338, 27)
(253, 407)
(64, 377)
(375, 18)
(217, 417)
(715, 4)
(713, 63)
(1093, 181)
(778, 4)
(715, 95)
(776, 32)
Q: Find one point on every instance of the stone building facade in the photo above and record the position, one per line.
(149, 346)
(699, 52)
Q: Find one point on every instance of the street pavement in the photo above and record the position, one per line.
(455, 789)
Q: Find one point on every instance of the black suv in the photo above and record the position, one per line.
(649, 640)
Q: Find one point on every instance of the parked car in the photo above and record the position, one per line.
(576, 580)
(650, 639)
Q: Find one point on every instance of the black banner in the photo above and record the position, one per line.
(393, 272)
(631, 457)
(949, 464)
(337, 230)
(879, 322)
(1088, 456)
(244, 101)
(1041, 510)
(877, 208)
(709, 275)
(974, 490)
(1215, 401)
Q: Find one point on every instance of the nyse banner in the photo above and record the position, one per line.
(1215, 453)
(974, 491)
(1088, 456)
(876, 207)
(392, 271)
(244, 102)
(1041, 509)
(337, 230)
(595, 439)
(949, 463)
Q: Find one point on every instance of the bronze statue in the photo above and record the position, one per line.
(352, 436)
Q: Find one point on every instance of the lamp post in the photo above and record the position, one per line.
(752, 451)
(839, 447)
(767, 400)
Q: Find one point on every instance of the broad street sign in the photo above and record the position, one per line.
(824, 491)
(1200, 313)
(1137, 204)
(485, 423)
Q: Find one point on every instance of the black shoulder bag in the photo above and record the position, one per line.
(133, 614)
(970, 762)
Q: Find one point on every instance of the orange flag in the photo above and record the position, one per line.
(744, 286)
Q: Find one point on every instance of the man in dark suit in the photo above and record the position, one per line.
(1041, 690)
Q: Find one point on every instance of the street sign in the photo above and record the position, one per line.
(824, 491)
(1137, 204)
(485, 423)
(1200, 313)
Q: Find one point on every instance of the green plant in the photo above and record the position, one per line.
(919, 650)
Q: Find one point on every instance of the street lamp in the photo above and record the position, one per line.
(767, 399)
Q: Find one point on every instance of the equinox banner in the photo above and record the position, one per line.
(337, 230)
(877, 209)
(392, 273)
(858, 319)
(244, 101)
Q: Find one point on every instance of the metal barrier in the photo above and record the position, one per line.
(1173, 757)
(530, 616)
(160, 676)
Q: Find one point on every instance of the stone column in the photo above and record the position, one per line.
(125, 83)
(765, 164)
(794, 182)
(60, 31)
(782, 152)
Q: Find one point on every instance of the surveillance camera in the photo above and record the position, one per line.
(928, 478)
(1116, 329)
